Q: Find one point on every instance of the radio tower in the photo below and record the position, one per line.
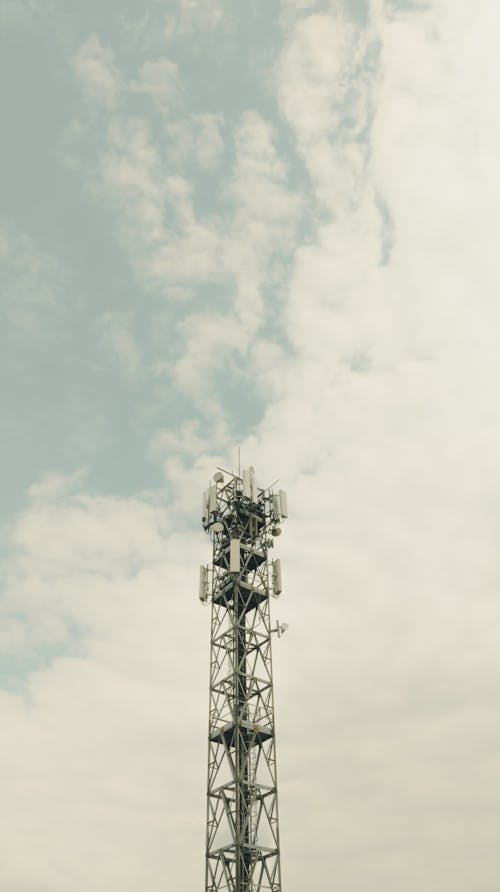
(242, 848)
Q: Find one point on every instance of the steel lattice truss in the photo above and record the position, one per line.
(242, 852)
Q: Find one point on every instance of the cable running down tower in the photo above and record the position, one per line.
(242, 848)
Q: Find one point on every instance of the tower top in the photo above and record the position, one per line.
(228, 490)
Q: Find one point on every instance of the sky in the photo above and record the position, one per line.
(270, 226)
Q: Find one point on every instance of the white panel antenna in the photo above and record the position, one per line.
(212, 499)
(203, 583)
(234, 556)
(247, 492)
(277, 588)
(283, 503)
(253, 486)
(276, 508)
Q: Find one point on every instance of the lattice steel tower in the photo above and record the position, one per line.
(242, 849)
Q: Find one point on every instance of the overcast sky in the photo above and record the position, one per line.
(272, 225)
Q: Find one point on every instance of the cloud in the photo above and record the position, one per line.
(211, 341)
(375, 334)
(117, 338)
(18, 13)
(132, 172)
(266, 216)
(91, 580)
(187, 441)
(169, 247)
(263, 214)
(308, 74)
(324, 80)
(53, 487)
(33, 292)
(159, 79)
(95, 68)
(194, 15)
(209, 141)
(382, 427)
(175, 249)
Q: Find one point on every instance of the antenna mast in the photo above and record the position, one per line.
(242, 847)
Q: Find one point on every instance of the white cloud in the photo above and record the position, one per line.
(186, 441)
(324, 84)
(317, 52)
(169, 247)
(160, 79)
(211, 341)
(86, 779)
(385, 432)
(267, 213)
(32, 281)
(18, 13)
(132, 172)
(260, 175)
(117, 337)
(195, 138)
(384, 427)
(209, 141)
(194, 15)
(266, 357)
(174, 249)
(52, 487)
(189, 456)
(95, 68)
(97, 731)
(198, 11)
